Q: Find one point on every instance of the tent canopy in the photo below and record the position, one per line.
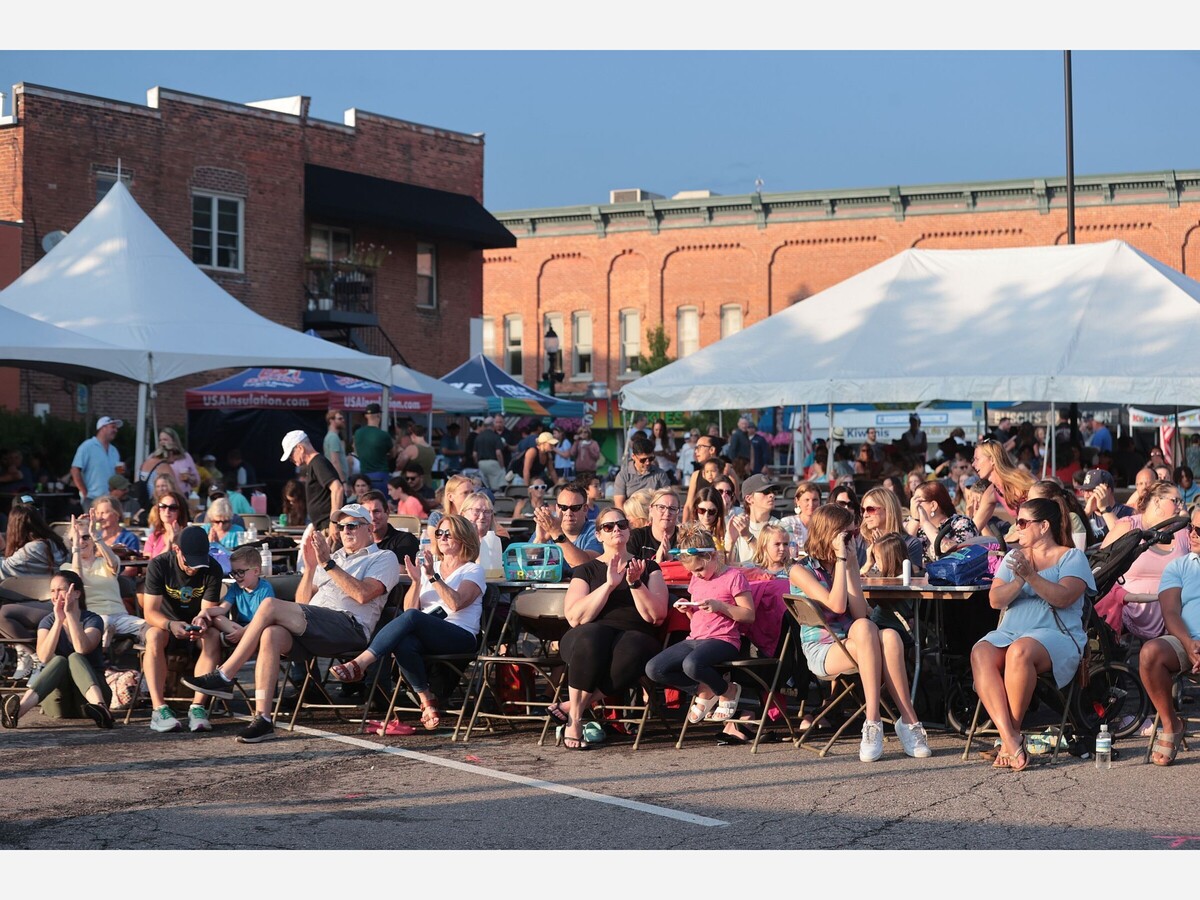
(445, 398)
(481, 377)
(1093, 323)
(39, 345)
(117, 278)
(298, 389)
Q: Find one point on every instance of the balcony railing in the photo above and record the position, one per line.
(339, 288)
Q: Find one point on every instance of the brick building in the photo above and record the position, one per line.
(705, 266)
(369, 231)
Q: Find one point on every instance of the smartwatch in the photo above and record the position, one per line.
(561, 539)
(435, 578)
(329, 564)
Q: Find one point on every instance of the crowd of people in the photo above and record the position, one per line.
(709, 504)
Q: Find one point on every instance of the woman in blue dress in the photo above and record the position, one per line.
(1039, 588)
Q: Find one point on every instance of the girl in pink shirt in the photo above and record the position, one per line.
(720, 599)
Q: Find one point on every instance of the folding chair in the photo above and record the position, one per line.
(1183, 681)
(411, 524)
(537, 612)
(1048, 690)
(460, 667)
(260, 522)
(843, 686)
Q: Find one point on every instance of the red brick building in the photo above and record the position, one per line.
(369, 230)
(705, 266)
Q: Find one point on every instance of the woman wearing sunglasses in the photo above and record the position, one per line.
(218, 522)
(614, 605)
(1039, 588)
(881, 516)
(527, 506)
(442, 613)
(931, 510)
(168, 517)
(708, 512)
(829, 577)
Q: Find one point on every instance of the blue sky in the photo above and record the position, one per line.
(563, 128)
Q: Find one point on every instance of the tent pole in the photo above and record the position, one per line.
(139, 447)
(386, 407)
(721, 422)
(1051, 442)
(1176, 443)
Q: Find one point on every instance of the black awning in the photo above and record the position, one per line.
(423, 211)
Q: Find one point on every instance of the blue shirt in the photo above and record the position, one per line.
(127, 538)
(244, 604)
(587, 539)
(1184, 572)
(97, 465)
(1101, 439)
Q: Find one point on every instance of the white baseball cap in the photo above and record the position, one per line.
(354, 511)
(290, 440)
(105, 420)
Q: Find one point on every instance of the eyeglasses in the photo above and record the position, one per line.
(349, 526)
(1194, 529)
(84, 538)
(537, 487)
(169, 507)
(691, 551)
(219, 521)
(622, 524)
(871, 510)
(706, 511)
(440, 533)
(238, 573)
(664, 509)
(1025, 523)
(643, 460)
(728, 492)
(844, 504)
(570, 507)
(1174, 501)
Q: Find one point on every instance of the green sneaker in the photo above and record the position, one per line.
(163, 720)
(198, 719)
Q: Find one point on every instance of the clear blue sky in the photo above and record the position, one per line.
(565, 127)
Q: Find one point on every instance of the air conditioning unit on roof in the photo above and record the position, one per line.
(632, 195)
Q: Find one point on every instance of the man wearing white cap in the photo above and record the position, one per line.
(96, 461)
(323, 488)
(338, 603)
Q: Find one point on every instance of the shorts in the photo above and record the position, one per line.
(1185, 661)
(328, 632)
(814, 655)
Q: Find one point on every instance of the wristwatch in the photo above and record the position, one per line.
(1107, 510)
(329, 564)
(435, 578)
(561, 539)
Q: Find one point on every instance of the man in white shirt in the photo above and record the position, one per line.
(338, 603)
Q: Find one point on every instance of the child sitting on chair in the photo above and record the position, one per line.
(242, 600)
(720, 599)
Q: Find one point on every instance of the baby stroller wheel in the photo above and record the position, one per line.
(1113, 696)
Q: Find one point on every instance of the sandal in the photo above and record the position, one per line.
(556, 712)
(1020, 756)
(1166, 745)
(11, 711)
(431, 716)
(726, 708)
(569, 742)
(348, 671)
(701, 708)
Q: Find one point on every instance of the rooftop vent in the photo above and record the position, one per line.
(632, 195)
(695, 195)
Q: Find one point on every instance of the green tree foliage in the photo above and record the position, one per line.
(658, 343)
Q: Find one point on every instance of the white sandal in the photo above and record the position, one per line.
(701, 709)
(726, 708)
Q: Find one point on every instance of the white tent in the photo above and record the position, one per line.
(445, 398)
(117, 278)
(1087, 323)
(39, 345)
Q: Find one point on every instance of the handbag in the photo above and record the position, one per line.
(966, 566)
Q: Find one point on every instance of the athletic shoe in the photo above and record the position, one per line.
(871, 747)
(28, 665)
(163, 720)
(260, 729)
(198, 719)
(213, 684)
(913, 739)
(99, 714)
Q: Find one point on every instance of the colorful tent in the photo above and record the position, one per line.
(298, 389)
(481, 377)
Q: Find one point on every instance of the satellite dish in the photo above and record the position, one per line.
(52, 240)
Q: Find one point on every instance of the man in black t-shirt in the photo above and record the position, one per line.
(323, 488)
(179, 584)
(401, 543)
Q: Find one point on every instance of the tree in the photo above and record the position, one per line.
(657, 342)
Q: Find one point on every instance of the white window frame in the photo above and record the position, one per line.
(682, 349)
(630, 340)
(215, 200)
(489, 337)
(510, 347)
(728, 312)
(431, 249)
(581, 346)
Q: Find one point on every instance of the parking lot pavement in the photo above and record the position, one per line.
(68, 786)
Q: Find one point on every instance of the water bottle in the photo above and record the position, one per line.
(252, 534)
(264, 557)
(425, 553)
(906, 572)
(491, 557)
(1103, 749)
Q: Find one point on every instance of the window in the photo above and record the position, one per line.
(631, 341)
(513, 347)
(731, 319)
(687, 325)
(106, 178)
(326, 244)
(555, 321)
(426, 275)
(489, 337)
(217, 232)
(581, 340)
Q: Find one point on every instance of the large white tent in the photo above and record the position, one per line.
(1088, 323)
(117, 278)
(39, 345)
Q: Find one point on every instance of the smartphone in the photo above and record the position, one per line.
(686, 603)
(191, 629)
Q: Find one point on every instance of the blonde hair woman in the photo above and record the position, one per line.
(881, 516)
(637, 508)
(1008, 486)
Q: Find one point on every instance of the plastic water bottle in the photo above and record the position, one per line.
(1103, 749)
(906, 572)
(491, 556)
(264, 557)
(252, 534)
(424, 554)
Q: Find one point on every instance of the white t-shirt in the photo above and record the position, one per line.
(467, 619)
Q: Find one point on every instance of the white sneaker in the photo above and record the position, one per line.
(913, 739)
(198, 719)
(871, 747)
(163, 720)
(28, 664)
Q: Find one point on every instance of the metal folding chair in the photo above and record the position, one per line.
(1048, 690)
(1183, 681)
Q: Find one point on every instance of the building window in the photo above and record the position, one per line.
(489, 337)
(514, 349)
(217, 232)
(687, 328)
(581, 340)
(555, 321)
(731, 319)
(106, 178)
(631, 341)
(426, 275)
(326, 244)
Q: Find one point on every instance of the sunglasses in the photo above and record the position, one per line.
(570, 507)
(728, 492)
(663, 508)
(871, 510)
(644, 460)
(844, 504)
(1194, 529)
(706, 511)
(622, 524)
(169, 507)
(349, 526)
(691, 551)
(1025, 523)
(84, 538)
(537, 487)
(439, 534)
(219, 521)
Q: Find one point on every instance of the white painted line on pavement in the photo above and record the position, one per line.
(678, 816)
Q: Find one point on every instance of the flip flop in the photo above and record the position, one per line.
(555, 711)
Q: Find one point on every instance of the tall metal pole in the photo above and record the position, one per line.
(1070, 149)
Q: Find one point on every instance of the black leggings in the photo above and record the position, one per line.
(601, 657)
(19, 621)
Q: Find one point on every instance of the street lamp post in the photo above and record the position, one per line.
(551, 339)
